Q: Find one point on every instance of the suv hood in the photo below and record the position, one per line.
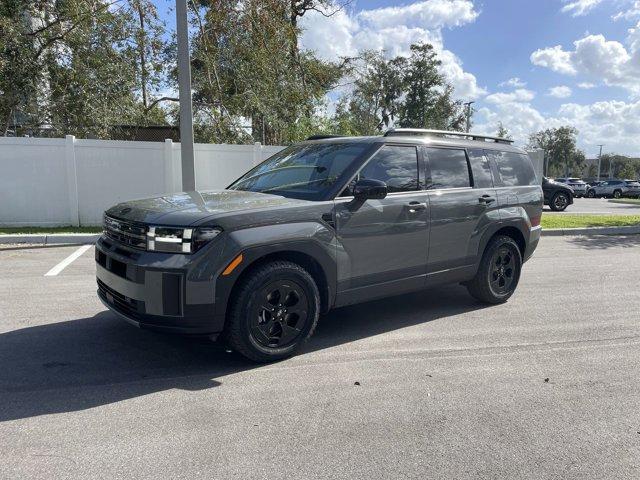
(186, 208)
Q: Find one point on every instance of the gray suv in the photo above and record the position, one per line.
(322, 224)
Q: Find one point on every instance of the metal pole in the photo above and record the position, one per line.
(599, 160)
(468, 104)
(186, 109)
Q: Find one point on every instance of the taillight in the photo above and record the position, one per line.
(535, 221)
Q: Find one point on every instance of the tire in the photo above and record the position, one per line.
(591, 194)
(559, 202)
(617, 194)
(501, 259)
(273, 312)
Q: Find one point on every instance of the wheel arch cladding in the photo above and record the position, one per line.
(516, 234)
(304, 259)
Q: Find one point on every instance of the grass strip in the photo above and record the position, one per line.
(582, 221)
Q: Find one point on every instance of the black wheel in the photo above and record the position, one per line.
(617, 194)
(273, 312)
(591, 194)
(559, 202)
(499, 271)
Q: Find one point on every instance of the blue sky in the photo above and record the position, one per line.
(531, 64)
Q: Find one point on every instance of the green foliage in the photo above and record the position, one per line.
(561, 154)
(406, 92)
(78, 66)
(619, 166)
(502, 132)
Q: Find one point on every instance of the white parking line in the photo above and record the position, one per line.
(67, 261)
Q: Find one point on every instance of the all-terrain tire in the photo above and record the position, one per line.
(483, 286)
(243, 332)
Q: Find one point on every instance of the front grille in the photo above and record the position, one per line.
(121, 302)
(125, 232)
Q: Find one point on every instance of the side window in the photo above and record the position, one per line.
(397, 166)
(515, 169)
(480, 168)
(449, 168)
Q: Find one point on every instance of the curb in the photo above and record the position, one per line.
(558, 232)
(51, 239)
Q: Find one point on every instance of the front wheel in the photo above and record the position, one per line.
(591, 194)
(559, 202)
(617, 194)
(499, 271)
(274, 310)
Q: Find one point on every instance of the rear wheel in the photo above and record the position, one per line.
(499, 271)
(617, 194)
(591, 194)
(273, 312)
(559, 202)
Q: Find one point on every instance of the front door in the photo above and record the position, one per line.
(382, 244)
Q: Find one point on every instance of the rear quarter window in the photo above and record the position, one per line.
(514, 169)
(480, 168)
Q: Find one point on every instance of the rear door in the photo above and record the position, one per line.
(462, 200)
(382, 244)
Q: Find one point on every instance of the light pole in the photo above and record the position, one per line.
(599, 161)
(468, 104)
(184, 86)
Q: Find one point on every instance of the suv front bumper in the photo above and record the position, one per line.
(159, 291)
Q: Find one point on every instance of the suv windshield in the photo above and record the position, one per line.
(305, 171)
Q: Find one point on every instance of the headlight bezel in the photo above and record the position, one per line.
(182, 240)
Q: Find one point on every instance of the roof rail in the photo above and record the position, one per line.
(323, 136)
(395, 132)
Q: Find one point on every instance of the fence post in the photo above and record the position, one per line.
(72, 180)
(169, 173)
(257, 153)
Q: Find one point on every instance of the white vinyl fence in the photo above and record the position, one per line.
(68, 181)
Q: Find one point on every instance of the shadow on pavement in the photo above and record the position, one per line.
(602, 242)
(84, 363)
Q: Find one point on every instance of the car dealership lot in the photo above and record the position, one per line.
(426, 385)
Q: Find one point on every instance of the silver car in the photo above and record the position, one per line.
(578, 186)
(611, 188)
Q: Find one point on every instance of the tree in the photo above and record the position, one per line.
(628, 171)
(78, 66)
(559, 146)
(244, 86)
(402, 91)
(502, 132)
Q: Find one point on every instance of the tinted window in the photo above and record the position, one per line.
(480, 169)
(396, 166)
(449, 168)
(515, 169)
(304, 171)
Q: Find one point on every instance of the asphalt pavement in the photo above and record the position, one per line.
(597, 205)
(426, 385)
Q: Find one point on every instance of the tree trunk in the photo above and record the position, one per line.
(143, 63)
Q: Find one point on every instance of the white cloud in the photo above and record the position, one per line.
(394, 29)
(561, 91)
(519, 95)
(598, 58)
(633, 12)
(554, 58)
(586, 85)
(579, 7)
(614, 123)
(514, 82)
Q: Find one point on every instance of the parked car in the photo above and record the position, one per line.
(557, 195)
(633, 189)
(322, 224)
(614, 189)
(578, 186)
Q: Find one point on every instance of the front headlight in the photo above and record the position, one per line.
(179, 240)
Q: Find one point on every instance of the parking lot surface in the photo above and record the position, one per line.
(427, 385)
(597, 205)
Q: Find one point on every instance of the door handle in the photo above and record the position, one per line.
(486, 199)
(416, 206)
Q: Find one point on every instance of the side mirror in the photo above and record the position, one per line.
(369, 189)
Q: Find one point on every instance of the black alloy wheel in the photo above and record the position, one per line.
(502, 274)
(280, 315)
